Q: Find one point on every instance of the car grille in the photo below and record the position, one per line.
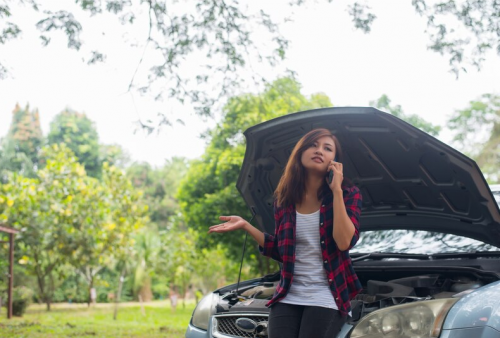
(226, 325)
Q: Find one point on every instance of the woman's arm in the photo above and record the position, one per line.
(236, 222)
(343, 228)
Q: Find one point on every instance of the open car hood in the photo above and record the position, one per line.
(408, 179)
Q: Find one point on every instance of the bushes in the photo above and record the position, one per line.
(22, 297)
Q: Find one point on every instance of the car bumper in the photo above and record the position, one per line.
(194, 332)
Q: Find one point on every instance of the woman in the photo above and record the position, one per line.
(316, 224)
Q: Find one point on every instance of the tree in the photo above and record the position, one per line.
(384, 103)
(209, 187)
(20, 149)
(114, 155)
(147, 250)
(224, 32)
(465, 30)
(79, 133)
(68, 218)
(160, 187)
(43, 208)
(229, 36)
(477, 132)
(114, 212)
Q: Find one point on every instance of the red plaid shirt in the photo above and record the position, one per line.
(344, 283)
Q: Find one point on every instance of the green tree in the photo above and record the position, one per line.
(209, 188)
(147, 251)
(114, 154)
(384, 103)
(20, 148)
(465, 30)
(79, 133)
(43, 208)
(114, 212)
(477, 132)
(230, 36)
(68, 219)
(160, 187)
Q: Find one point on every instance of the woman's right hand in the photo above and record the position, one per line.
(232, 223)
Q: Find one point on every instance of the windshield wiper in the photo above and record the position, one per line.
(472, 254)
(381, 255)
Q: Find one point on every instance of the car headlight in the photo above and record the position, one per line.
(416, 320)
(203, 311)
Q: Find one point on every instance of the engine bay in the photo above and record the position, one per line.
(398, 287)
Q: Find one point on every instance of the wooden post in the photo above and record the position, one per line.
(11, 232)
(11, 275)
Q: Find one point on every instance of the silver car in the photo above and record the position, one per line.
(428, 257)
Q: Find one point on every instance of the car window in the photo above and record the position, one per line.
(416, 241)
(496, 194)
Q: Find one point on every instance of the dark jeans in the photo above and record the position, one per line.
(298, 321)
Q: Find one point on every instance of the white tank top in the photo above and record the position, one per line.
(310, 284)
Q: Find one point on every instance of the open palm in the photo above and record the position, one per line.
(232, 223)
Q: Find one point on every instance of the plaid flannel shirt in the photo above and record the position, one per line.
(344, 283)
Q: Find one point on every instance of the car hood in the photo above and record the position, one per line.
(408, 179)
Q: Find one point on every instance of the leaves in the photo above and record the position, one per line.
(67, 217)
(477, 132)
(384, 103)
(79, 133)
(209, 187)
(467, 31)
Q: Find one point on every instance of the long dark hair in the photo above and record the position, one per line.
(292, 185)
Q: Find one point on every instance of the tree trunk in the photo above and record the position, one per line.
(119, 293)
(143, 311)
(41, 286)
(91, 286)
(145, 292)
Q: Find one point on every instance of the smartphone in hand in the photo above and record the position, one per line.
(330, 173)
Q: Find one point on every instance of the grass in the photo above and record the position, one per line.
(76, 320)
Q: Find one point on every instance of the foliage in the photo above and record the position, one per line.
(159, 186)
(114, 155)
(465, 30)
(73, 320)
(231, 35)
(66, 217)
(20, 149)
(477, 132)
(147, 251)
(222, 32)
(22, 297)
(108, 233)
(79, 134)
(384, 103)
(209, 188)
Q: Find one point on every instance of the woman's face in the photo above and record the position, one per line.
(318, 156)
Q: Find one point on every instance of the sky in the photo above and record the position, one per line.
(326, 52)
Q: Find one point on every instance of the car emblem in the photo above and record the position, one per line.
(246, 325)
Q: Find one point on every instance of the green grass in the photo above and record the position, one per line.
(97, 322)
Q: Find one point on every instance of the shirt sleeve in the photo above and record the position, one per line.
(353, 203)
(270, 248)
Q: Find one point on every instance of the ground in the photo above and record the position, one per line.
(76, 320)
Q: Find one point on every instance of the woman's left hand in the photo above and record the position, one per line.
(338, 175)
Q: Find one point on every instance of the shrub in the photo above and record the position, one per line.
(22, 297)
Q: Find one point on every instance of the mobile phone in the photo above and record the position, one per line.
(330, 172)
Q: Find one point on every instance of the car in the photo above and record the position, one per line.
(428, 257)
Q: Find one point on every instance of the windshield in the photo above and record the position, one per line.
(418, 242)
(496, 194)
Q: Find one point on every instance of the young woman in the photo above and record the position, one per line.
(316, 224)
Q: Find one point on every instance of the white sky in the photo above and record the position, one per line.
(327, 53)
